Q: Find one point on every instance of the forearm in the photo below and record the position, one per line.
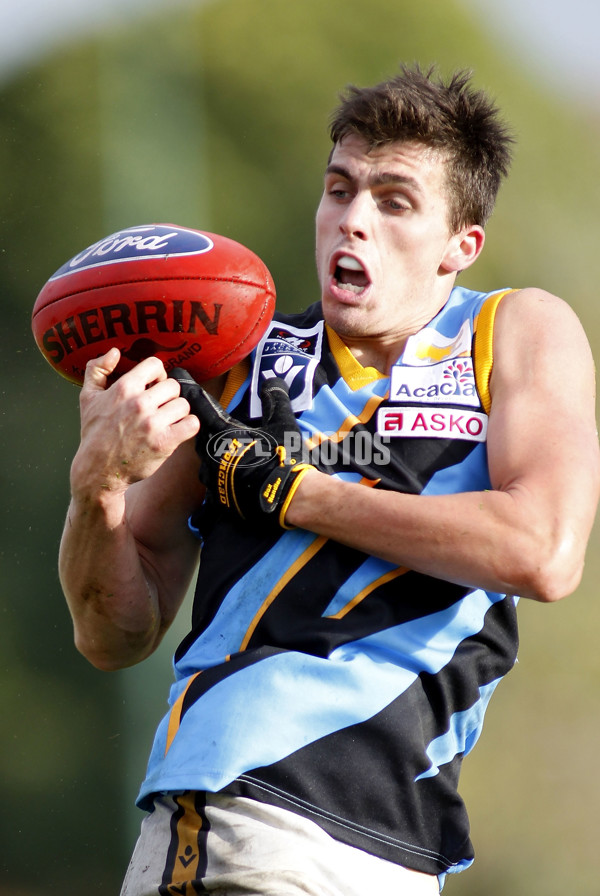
(126, 555)
(480, 539)
(112, 600)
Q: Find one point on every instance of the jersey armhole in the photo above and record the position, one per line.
(483, 346)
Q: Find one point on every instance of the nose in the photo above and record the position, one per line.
(355, 218)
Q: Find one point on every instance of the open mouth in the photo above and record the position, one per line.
(350, 275)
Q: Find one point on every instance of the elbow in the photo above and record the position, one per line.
(100, 659)
(110, 657)
(549, 589)
(552, 573)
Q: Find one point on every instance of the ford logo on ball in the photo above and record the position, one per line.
(146, 241)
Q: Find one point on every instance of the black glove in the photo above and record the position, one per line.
(251, 471)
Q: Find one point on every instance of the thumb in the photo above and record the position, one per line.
(212, 416)
(98, 370)
(276, 404)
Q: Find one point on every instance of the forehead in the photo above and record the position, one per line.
(422, 164)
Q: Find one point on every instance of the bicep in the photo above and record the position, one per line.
(542, 440)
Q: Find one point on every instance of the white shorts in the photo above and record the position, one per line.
(215, 843)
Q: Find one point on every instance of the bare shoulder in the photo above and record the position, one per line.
(537, 314)
(542, 428)
(537, 331)
(543, 380)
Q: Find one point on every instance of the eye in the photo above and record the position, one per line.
(397, 203)
(338, 188)
(338, 191)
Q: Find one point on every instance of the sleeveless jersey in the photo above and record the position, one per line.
(318, 678)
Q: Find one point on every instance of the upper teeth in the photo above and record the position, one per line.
(351, 264)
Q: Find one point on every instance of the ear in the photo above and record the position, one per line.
(463, 249)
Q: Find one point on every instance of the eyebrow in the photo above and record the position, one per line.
(378, 180)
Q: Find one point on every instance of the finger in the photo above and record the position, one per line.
(166, 426)
(182, 376)
(164, 391)
(188, 386)
(149, 371)
(212, 416)
(203, 405)
(174, 410)
(139, 379)
(185, 428)
(98, 370)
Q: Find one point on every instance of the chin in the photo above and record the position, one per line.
(345, 318)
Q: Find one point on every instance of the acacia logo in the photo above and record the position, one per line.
(452, 381)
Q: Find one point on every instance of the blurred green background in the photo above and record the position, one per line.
(214, 115)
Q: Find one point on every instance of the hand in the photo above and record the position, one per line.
(250, 471)
(129, 428)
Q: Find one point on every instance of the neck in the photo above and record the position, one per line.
(374, 354)
(382, 350)
(378, 341)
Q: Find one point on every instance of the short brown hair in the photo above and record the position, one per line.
(453, 118)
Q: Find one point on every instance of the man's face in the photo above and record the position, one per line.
(383, 239)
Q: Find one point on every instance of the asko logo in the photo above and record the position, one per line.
(146, 241)
(432, 423)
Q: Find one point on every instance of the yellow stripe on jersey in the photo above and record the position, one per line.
(354, 374)
(348, 424)
(302, 560)
(235, 379)
(176, 710)
(382, 580)
(483, 347)
(175, 715)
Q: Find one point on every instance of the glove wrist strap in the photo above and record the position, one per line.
(298, 473)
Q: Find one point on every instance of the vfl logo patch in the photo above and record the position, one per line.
(147, 241)
(432, 423)
(452, 382)
(293, 354)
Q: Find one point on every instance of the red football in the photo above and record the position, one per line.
(194, 299)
